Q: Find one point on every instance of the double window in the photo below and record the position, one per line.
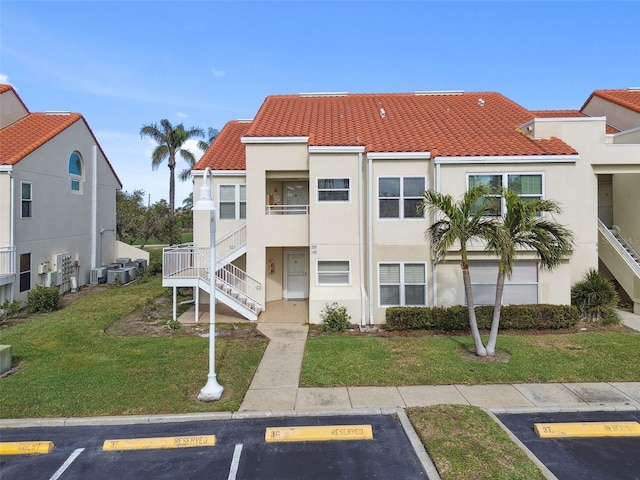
(333, 189)
(399, 197)
(334, 272)
(402, 284)
(527, 185)
(25, 199)
(233, 202)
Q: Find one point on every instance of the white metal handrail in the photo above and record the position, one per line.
(8, 260)
(287, 210)
(190, 261)
(232, 241)
(619, 247)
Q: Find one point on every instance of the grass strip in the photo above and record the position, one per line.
(465, 442)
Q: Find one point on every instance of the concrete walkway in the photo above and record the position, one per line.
(275, 386)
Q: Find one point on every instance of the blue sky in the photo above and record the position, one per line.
(123, 64)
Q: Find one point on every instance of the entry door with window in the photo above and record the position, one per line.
(296, 197)
(296, 265)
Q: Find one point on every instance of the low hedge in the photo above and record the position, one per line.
(456, 318)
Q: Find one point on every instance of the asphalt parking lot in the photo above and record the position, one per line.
(240, 452)
(600, 458)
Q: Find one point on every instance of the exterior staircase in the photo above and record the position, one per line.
(622, 260)
(188, 266)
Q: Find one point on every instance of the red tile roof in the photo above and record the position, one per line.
(557, 113)
(446, 125)
(628, 98)
(226, 152)
(34, 130)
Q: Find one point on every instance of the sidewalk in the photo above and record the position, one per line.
(275, 386)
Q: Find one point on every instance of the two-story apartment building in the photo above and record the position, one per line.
(317, 198)
(57, 200)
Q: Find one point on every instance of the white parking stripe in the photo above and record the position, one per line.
(66, 464)
(235, 462)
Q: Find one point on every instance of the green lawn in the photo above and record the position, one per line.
(349, 360)
(69, 366)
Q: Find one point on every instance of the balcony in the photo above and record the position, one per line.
(7, 264)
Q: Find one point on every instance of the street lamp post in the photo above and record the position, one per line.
(212, 390)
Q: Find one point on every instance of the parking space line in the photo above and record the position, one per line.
(318, 434)
(587, 429)
(25, 448)
(235, 462)
(160, 442)
(66, 464)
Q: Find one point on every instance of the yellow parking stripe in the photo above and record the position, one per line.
(160, 442)
(587, 429)
(318, 434)
(25, 448)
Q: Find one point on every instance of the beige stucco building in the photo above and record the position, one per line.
(57, 201)
(317, 198)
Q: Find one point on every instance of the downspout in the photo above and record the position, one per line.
(434, 264)
(94, 206)
(370, 235)
(12, 220)
(363, 290)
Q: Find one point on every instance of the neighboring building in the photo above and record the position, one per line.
(317, 198)
(57, 201)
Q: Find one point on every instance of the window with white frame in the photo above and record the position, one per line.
(520, 289)
(527, 185)
(233, 202)
(333, 189)
(402, 284)
(399, 197)
(334, 272)
(26, 199)
(76, 172)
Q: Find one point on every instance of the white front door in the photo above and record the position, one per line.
(296, 278)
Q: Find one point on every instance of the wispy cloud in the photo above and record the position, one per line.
(4, 78)
(217, 73)
(182, 115)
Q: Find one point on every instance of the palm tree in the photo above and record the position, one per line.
(212, 133)
(170, 141)
(524, 227)
(461, 221)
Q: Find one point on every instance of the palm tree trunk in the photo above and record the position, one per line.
(172, 188)
(497, 308)
(475, 333)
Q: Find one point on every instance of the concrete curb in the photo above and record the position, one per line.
(416, 443)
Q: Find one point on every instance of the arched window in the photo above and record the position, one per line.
(76, 172)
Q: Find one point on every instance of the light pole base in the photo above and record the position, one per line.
(212, 391)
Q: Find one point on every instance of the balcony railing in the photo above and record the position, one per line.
(7, 261)
(287, 210)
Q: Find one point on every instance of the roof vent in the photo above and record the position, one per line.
(480, 102)
(382, 113)
(635, 89)
(57, 112)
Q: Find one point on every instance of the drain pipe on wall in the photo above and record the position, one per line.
(94, 206)
(434, 264)
(370, 235)
(12, 236)
(363, 290)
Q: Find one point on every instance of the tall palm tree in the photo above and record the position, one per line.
(461, 221)
(212, 133)
(170, 141)
(525, 228)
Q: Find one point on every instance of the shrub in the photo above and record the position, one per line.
(456, 318)
(335, 318)
(595, 296)
(43, 299)
(9, 309)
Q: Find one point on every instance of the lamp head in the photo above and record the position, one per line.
(205, 199)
